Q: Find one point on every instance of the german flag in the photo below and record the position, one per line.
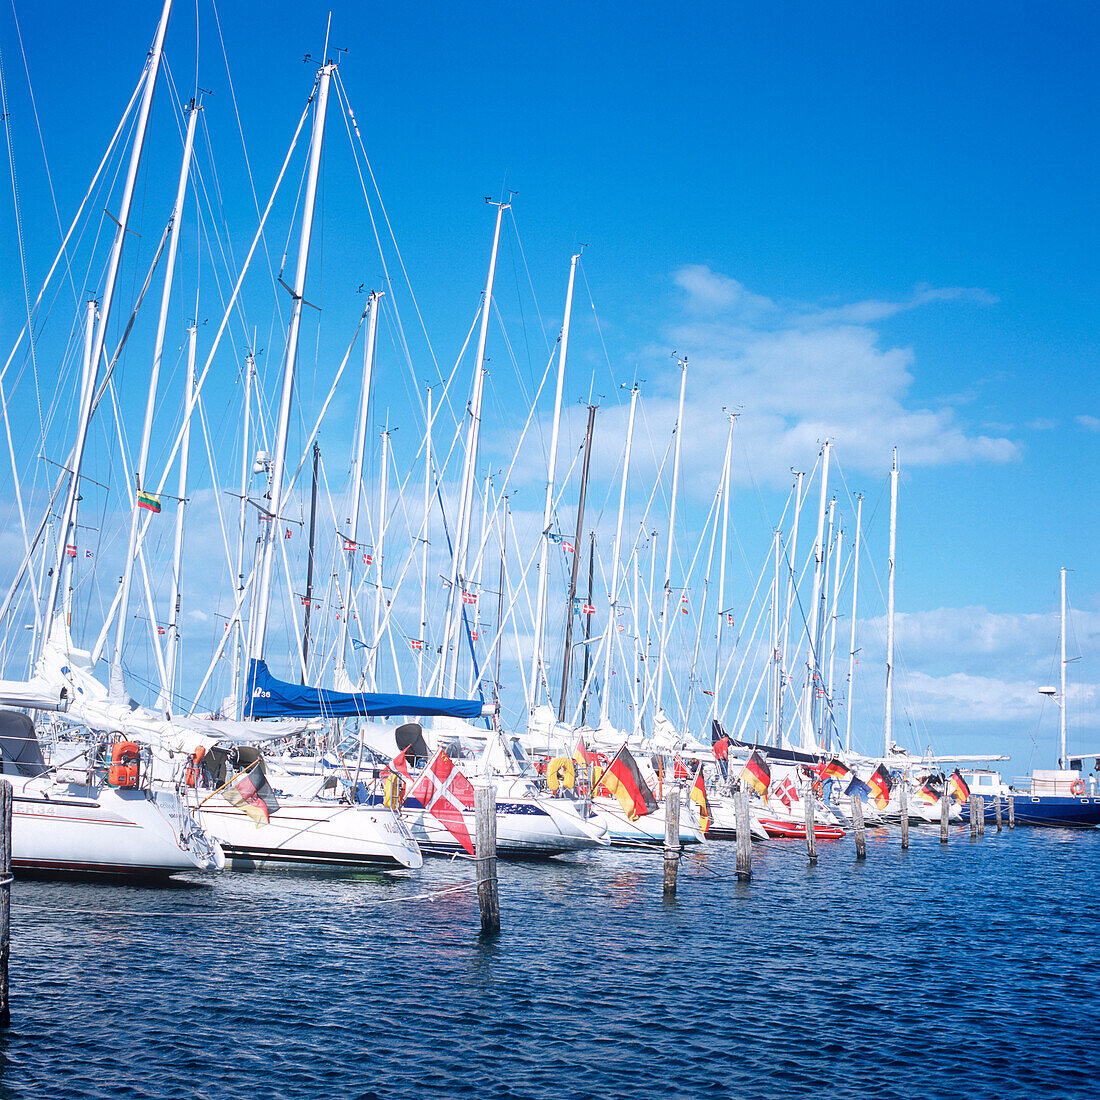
(835, 770)
(928, 793)
(699, 797)
(624, 781)
(757, 774)
(881, 784)
(957, 788)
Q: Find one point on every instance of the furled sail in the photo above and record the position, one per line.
(271, 698)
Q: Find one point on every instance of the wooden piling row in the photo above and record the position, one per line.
(811, 838)
(859, 827)
(672, 839)
(485, 814)
(744, 836)
(903, 807)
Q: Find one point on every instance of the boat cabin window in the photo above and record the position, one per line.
(985, 781)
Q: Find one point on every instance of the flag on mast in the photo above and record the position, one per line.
(623, 779)
(699, 797)
(757, 774)
(445, 792)
(148, 501)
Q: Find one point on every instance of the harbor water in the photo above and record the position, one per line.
(966, 969)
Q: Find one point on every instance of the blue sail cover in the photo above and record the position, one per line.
(271, 698)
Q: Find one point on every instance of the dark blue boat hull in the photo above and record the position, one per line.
(1052, 811)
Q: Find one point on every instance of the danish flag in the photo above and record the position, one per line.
(588, 609)
(469, 597)
(567, 546)
(445, 792)
(416, 643)
(786, 792)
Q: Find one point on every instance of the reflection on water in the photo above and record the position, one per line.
(968, 967)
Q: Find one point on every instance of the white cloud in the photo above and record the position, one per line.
(801, 373)
(1089, 423)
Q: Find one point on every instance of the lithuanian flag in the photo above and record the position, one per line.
(148, 501)
(957, 788)
(624, 781)
(835, 770)
(699, 797)
(881, 784)
(757, 774)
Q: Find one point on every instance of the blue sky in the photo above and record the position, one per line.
(869, 220)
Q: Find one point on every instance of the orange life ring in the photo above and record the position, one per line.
(1077, 787)
(125, 758)
(817, 788)
(191, 775)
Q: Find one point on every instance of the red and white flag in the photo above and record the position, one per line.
(567, 547)
(445, 792)
(348, 544)
(416, 643)
(400, 765)
(588, 609)
(469, 597)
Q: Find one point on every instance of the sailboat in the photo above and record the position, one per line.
(1057, 798)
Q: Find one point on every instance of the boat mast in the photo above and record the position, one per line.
(776, 686)
(242, 530)
(500, 599)
(308, 600)
(351, 546)
(1062, 685)
(152, 69)
(169, 701)
(424, 542)
(613, 595)
(792, 555)
(890, 607)
(828, 711)
(379, 551)
(117, 687)
(852, 642)
(722, 610)
(819, 560)
(588, 630)
(462, 533)
(569, 606)
(263, 601)
(548, 504)
(663, 638)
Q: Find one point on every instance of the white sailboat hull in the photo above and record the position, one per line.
(75, 828)
(313, 833)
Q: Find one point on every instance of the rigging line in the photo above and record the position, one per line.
(19, 238)
(352, 123)
(530, 283)
(596, 318)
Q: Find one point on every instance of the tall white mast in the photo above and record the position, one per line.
(812, 663)
(658, 707)
(263, 601)
(852, 642)
(829, 710)
(722, 610)
(424, 542)
(379, 554)
(548, 504)
(462, 531)
(242, 531)
(613, 596)
(889, 738)
(1062, 685)
(792, 558)
(168, 701)
(152, 69)
(772, 735)
(117, 687)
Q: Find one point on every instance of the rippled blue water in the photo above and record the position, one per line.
(966, 969)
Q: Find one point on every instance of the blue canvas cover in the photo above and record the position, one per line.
(271, 698)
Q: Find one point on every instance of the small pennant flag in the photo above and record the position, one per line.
(286, 534)
(684, 608)
(148, 501)
(729, 620)
(358, 643)
(348, 544)
(88, 554)
(621, 628)
(160, 629)
(473, 635)
(416, 643)
(587, 609)
(567, 546)
(367, 559)
(469, 597)
(70, 549)
(265, 517)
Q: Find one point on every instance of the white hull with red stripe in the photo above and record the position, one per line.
(76, 828)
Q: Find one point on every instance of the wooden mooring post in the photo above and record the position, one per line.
(485, 814)
(744, 836)
(903, 809)
(945, 816)
(981, 815)
(973, 816)
(997, 809)
(5, 897)
(859, 827)
(672, 838)
(811, 837)
(1011, 812)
